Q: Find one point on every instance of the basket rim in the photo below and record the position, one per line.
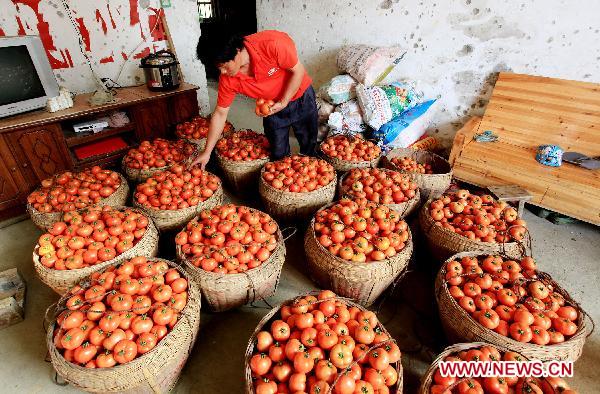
(188, 263)
(273, 190)
(339, 260)
(416, 197)
(100, 266)
(35, 211)
(413, 154)
(269, 315)
(441, 286)
(155, 210)
(429, 220)
(348, 161)
(191, 285)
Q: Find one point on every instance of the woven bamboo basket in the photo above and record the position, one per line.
(62, 280)
(174, 219)
(271, 316)
(344, 165)
(154, 372)
(227, 291)
(200, 143)
(443, 243)
(459, 326)
(242, 176)
(44, 221)
(364, 282)
(427, 380)
(404, 208)
(431, 185)
(294, 206)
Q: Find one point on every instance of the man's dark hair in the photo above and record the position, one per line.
(215, 49)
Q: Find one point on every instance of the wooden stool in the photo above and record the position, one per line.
(511, 193)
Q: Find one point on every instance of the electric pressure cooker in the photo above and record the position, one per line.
(161, 71)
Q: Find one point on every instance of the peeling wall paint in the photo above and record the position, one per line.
(115, 34)
(455, 47)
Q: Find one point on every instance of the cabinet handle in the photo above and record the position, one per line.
(24, 165)
(13, 169)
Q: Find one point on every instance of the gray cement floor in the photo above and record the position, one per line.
(570, 253)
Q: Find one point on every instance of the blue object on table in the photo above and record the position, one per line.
(549, 155)
(486, 136)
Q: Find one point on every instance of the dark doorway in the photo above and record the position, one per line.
(217, 16)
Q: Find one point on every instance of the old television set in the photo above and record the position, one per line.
(26, 78)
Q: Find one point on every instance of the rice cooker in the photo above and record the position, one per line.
(161, 71)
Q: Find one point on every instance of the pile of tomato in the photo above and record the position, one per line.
(197, 128)
(494, 385)
(95, 235)
(158, 153)
(410, 165)
(229, 239)
(263, 107)
(360, 231)
(478, 217)
(176, 188)
(350, 148)
(379, 186)
(298, 174)
(244, 145)
(506, 296)
(74, 190)
(124, 313)
(313, 344)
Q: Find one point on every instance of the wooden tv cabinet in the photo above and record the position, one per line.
(38, 144)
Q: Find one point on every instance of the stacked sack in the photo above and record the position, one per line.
(394, 113)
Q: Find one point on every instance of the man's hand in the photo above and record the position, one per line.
(278, 106)
(202, 159)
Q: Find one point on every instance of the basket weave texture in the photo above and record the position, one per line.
(431, 185)
(154, 372)
(290, 206)
(44, 221)
(242, 176)
(363, 282)
(62, 280)
(174, 219)
(270, 317)
(459, 326)
(444, 243)
(227, 291)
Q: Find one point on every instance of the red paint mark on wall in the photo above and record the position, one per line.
(142, 54)
(134, 16)
(100, 19)
(112, 21)
(2, 32)
(159, 33)
(108, 59)
(124, 55)
(21, 30)
(85, 34)
(43, 31)
(68, 57)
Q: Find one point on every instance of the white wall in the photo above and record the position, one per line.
(117, 33)
(455, 47)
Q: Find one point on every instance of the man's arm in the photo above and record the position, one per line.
(215, 129)
(292, 87)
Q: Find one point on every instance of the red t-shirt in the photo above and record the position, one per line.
(272, 54)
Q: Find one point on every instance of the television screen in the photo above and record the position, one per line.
(19, 79)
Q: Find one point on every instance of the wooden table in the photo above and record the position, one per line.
(525, 112)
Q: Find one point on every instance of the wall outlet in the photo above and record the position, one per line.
(165, 3)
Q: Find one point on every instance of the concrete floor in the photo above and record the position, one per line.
(570, 253)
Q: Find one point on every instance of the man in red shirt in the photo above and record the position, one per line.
(263, 65)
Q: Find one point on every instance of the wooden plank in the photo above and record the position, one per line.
(525, 112)
(463, 136)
